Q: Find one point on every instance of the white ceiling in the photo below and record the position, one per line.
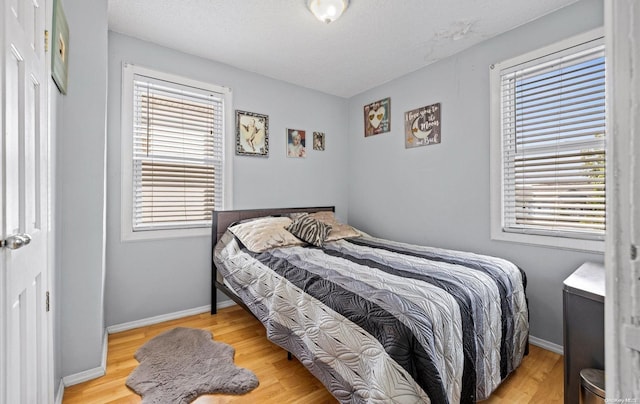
(375, 41)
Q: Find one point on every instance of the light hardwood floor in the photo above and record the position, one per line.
(537, 380)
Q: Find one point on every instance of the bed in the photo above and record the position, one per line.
(374, 320)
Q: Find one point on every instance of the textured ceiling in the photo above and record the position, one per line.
(375, 41)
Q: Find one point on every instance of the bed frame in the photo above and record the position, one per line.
(223, 219)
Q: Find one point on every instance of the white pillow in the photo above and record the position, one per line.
(265, 233)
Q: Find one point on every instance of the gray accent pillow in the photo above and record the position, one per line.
(310, 230)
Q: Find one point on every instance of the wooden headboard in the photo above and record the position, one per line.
(223, 219)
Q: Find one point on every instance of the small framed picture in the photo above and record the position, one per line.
(252, 134)
(377, 117)
(60, 48)
(422, 126)
(318, 141)
(296, 143)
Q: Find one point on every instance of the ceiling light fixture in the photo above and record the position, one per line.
(327, 10)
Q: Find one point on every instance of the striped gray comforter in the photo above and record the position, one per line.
(382, 321)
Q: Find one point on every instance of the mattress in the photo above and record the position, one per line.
(383, 321)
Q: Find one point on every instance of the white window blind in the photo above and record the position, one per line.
(177, 154)
(553, 134)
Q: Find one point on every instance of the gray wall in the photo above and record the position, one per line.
(150, 278)
(79, 145)
(439, 194)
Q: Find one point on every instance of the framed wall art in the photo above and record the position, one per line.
(318, 141)
(60, 47)
(377, 117)
(296, 143)
(252, 134)
(422, 126)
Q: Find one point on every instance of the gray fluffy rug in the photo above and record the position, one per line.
(179, 365)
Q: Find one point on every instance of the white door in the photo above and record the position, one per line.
(25, 322)
(622, 257)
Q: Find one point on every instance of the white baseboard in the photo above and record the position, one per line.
(60, 394)
(105, 347)
(225, 303)
(91, 373)
(157, 319)
(83, 376)
(549, 346)
(166, 317)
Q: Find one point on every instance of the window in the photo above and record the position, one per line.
(174, 171)
(548, 146)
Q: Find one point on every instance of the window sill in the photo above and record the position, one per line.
(592, 246)
(127, 236)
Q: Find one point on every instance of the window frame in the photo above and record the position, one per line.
(126, 163)
(497, 181)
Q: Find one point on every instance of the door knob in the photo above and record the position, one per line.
(16, 241)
